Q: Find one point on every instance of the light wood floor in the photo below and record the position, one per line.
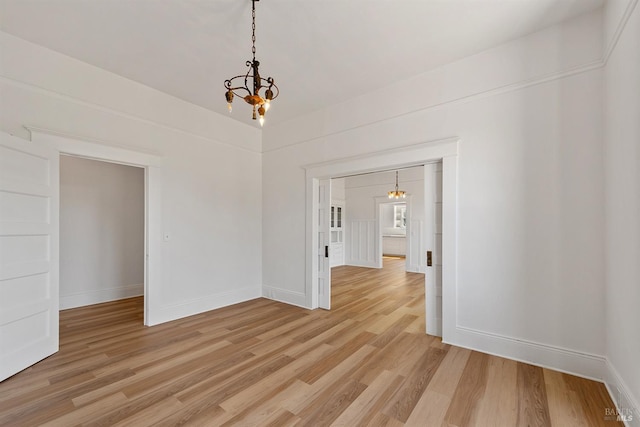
(263, 363)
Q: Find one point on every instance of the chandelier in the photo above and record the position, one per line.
(397, 194)
(253, 83)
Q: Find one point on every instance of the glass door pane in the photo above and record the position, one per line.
(332, 215)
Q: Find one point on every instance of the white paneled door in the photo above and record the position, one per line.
(29, 201)
(324, 242)
(433, 247)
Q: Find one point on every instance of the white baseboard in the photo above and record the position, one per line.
(171, 312)
(362, 263)
(416, 269)
(626, 404)
(98, 296)
(283, 295)
(561, 359)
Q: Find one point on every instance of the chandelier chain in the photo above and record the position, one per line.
(253, 29)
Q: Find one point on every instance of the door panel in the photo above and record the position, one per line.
(324, 242)
(29, 197)
(433, 243)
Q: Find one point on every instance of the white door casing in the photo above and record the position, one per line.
(324, 243)
(29, 263)
(152, 163)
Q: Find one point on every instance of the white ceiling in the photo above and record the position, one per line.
(320, 52)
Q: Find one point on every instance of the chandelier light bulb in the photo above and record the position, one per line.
(229, 106)
(267, 105)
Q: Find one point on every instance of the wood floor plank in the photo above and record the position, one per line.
(33, 408)
(533, 409)
(405, 399)
(282, 418)
(152, 414)
(367, 362)
(327, 382)
(431, 410)
(142, 373)
(399, 356)
(307, 345)
(383, 322)
(499, 404)
(318, 370)
(269, 385)
(464, 406)
(88, 412)
(239, 382)
(393, 330)
(331, 404)
(564, 406)
(593, 398)
(445, 380)
(254, 412)
(371, 401)
(193, 414)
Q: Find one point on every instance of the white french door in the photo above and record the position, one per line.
(29, 204)
(324, 243)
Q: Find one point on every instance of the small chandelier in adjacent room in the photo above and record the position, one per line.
(249, 86)
(397, 194)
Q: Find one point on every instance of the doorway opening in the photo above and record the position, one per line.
(393, 231)
(151, 165)
(318, 202)
(102, 228)
(383, 232)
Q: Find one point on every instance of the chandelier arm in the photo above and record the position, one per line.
(240, 94)
(246, 76)
(272, 85)
(228, 83)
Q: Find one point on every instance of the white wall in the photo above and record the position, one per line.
(101, 231)
(337, 189)
(622, 207)
(386, 218)
(530, 188)
(213, 257)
